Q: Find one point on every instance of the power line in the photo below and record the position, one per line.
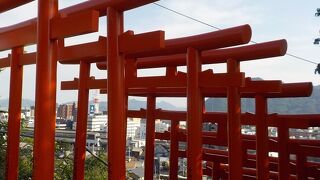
(217, 28)
(300, 58)
(97, 157)
(189, 17)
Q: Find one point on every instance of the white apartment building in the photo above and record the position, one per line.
(95, 123)
(160, 126)
(133, 125)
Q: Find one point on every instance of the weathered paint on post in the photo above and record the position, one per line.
(45, 119)
(116, 98)
(174, 150)
(82, 118)
(262, 164)
(194, 116)
(234, 125)
(150, 137)
(14, 119)
(284, 159)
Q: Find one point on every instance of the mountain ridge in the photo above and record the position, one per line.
(133, 104)
(304, 105)
(301, 105)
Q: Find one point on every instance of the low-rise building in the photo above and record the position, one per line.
(96, 123)
(160, 126)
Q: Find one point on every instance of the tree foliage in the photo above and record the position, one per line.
(3, 127)
(94, 168)
(317, 40)
(318, 12)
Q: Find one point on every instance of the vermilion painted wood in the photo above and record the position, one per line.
(300, 163)
(95, 52)
(46, 68)
(116, 99)
(221, 91)
(92, 5)
(149, 50)
(194, 116)
(63, 27)
(130, 43)
(14, 119)
(262, 147)
(215, 159)
(90, 52)
(213, 40)
(216, 171)
(102, 5)
(243, 53)
(248, 142)
(81, 126)
(273, 120)
(178, 81)
(5, 62)
(284, 159)
(150, 136)
(221, 157)
(6, 5)
(28, 59)
(174, 148)
(246, 92)
(234, 125)
(26, 33)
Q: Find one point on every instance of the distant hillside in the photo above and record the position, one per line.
(307, 105)
(135, 104)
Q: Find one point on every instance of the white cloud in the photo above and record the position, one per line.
(217, 13)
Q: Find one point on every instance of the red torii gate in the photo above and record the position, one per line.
(292, 121)
(241, 35)
(6, 5)
(15, 37)
(125, 53)
(45, 31)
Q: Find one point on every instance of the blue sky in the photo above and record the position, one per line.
(292, 20)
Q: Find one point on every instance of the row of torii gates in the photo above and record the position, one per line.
(123, 53)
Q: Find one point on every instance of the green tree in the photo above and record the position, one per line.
(63, 161)
(25, 158)
(95, 167)
(3, 128)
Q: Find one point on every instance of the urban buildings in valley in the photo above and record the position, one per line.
(67, 111)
